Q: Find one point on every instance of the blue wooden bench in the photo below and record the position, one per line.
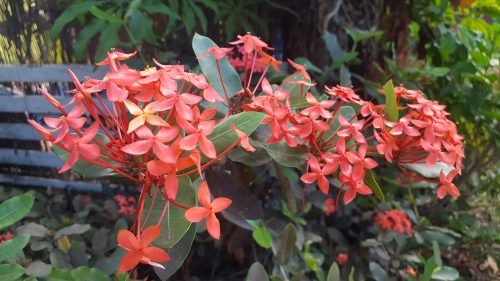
(25, 159)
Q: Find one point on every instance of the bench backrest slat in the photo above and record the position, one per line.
(48, 72)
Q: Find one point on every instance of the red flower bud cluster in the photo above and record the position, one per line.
(126, 205)
(395, 220)
(6, 236)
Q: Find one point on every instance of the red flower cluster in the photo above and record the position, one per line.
(342, 258)
(158, 129)
(126, 205)
(6, 236)
(395, 220)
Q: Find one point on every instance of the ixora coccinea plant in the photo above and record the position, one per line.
(162, 126)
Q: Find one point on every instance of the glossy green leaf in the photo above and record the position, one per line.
(286, 244)
(86, 33)
(223, 135)
(255, 158)
(173, 226)
(296, 89)
(245, 205)
(333, 273)
(105, 15)
(446, 273)
(391, 106)
(257, 273)
(347, 112)
(440, 237)
(84, 168)
(438, 71)
(359, 35)
(69, 14)
(38, 269)
(373, 184)
(10, 271)
(74, 229)
(60, 275)
(159, 8)
(14, 246)
(378, 273)
(84, 273)
(429, 267)
(298, 102)
(177, 254)
(437, 253)
(262, 236)
(286, 155)
(208, 66)
(14, 209)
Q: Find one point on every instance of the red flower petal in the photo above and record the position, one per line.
(149, 235)
(129, 261)
(196, 214)
(213, 226)
(220, 204)
(127, 240)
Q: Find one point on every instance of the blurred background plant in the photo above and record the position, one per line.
(447, 49)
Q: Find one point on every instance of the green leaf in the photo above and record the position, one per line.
(84, 168)
(107, 39)
(14, 209)
(208, 66)
(69, 14)
(84, 36)
(84, 273)
(173, 226)
(332, 46)
(262, 236)
(38, 269)
(257, 273)
(223, 135)
(60, 275)
(391, 106)
(132, 7)
(427, 172)
(286, 244)
(347, 112)
(308, 65)
(298, 102)
(159, 8)
(429, 268)
(446, 273)
(255, 158)
(10, 271)
(351, 274)
(200, 15)
(74, 229)
(294, 89)
(177, 254)
(373, 184)
(378, 273)
(14, 246)
(99, 13)
(437, 253)
(333, 273)
(358, 35)
(286, 155)
(439, 237)
(438, 71)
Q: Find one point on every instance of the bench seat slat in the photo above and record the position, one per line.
(16, 131)
(48, 72)
(53, 183)
(29, 158)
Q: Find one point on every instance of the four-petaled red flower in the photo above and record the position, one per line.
(208, 210)
(139, 250)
